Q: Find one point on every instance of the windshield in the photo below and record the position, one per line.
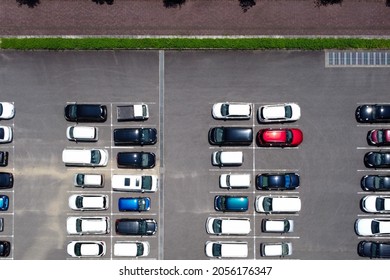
(144, 135)
(73, 111)
(1, 109)
(374, 250)
(264, 181)
(1, 133)
(217, 250)
(380, 204)
(267, 204)
(218, 135)
(80, 179)
(380, 135)
(218, 157)
(142, 204)
(288, 112)
(375, 227)
(79, 202)
(286, 225)
(78, 225)
(217, 226)
(145, 160)
(147, 182)
(225, 109)
(142, 227)
(95, 157)
(284, 249)
(140, 249)
(77, 249)
(289, 136)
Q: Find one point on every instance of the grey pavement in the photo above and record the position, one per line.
(195, 17)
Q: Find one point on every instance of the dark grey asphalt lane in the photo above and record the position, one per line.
(330, 159)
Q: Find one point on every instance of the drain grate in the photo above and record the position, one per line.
(357, 59)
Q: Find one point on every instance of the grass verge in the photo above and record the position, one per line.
(191, 43)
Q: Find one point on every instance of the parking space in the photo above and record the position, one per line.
(329, 161)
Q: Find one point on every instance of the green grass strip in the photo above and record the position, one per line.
(192, 43)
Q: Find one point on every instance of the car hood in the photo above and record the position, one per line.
(364, 113)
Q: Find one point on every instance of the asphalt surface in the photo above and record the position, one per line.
(194, 17)
(329, 161)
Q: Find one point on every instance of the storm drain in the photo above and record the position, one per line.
(357, 59)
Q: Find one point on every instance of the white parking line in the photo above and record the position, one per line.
(372, 169)
(277, 236)
(373, 148)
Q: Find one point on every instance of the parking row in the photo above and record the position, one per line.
(124, 194)
(7, 113)
(373, 227)
(232, 202)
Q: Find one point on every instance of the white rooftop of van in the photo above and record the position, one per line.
(235, 180)
(286, 204)
(238, 226)
(130, 249)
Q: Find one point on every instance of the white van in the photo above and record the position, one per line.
(279, 249)
(277, 204)
(277, 225)
(88, 180)
(82, 133)
(131, 249)
(235, 180)
(226, 249)
(228, 226)
(230, 158)
(85, 157)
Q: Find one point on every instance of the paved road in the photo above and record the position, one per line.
(194, 17)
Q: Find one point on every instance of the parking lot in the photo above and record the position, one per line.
(180, 89)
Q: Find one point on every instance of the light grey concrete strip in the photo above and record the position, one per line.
(162, 165)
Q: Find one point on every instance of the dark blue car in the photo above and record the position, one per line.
(228, 203)
(134, 204)
(277, 181)
(4, 202)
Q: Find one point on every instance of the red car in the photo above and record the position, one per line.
(279, 137)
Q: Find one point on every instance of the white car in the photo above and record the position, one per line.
(89, 249)
(279, 113)
(235, 180)
(7, 110)
(88, 225)
(277, 225)
(5, 134)
(88, 202)
(376, 204)
(227, 158)
(279, 249)
(277, 204)
(226, 249)
(85, 157)
(131, 249)
(372, 227)
(88, 180)
(134, 183)
(82, 133)
(228, 226)
(231, 110)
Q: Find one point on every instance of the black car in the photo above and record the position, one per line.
(372, 249)
(231, 136)
(135, 226)
(277, 181)
(3, 158)
(5, 248)
(6, 180)
(376, 113)
(377, 159)
(135, 136)
(375, 183)
(136, 160)
(86, 113)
